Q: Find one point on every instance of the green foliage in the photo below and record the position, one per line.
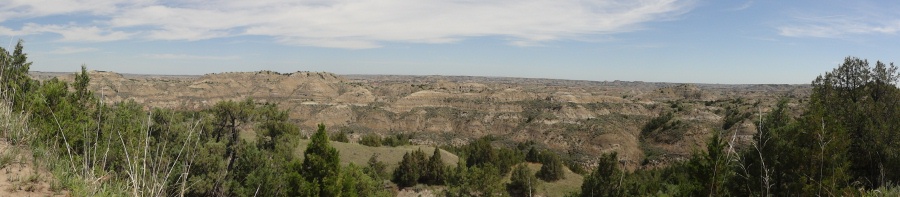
(606, 179)
(843, 142)
(81, 84)
(250, 178)
(522, 181)
(409, 170)
(771, 152)
(507, 158)
(415, 168)
(651, 153)
(664, 128)
(652, 182)
(475, 181)
(657, 123)
(575, 167)
(397, 140)
(208, 169)
(372, 140)
(709, 172)
(863, 102)
(535, 110)
(883, 191)
(733, 116)
(274, 129)
(16, 84)
(321, 165)
(376, 169)
(354, 182)
(133, 151)
(340, 137)
(434, 170)
(704, 174)
(552, 170)
(296, 183)
(533, 155)
(523, 146)
(480, 153)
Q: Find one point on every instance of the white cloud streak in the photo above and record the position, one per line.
(856, 18)
(74, 33)
(189, 57)
(744, 6)
(71, 50)
(833, 28)
(354, 24)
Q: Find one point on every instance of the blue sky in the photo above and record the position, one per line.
(602, 40)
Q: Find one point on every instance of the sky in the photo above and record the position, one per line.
(693, 41)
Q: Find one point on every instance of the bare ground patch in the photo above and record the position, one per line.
(19, 176)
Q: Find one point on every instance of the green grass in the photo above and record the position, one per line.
(8, 156)
(887, 190)
(359, 154)
(572, 183)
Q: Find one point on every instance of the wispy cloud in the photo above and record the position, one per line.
(37, 8)
(71, 50)
(744, 6)
(69, 32)
(347, 23)
(647, 46)
(75, 33)
(855, 18)
(189, 57)
(832, 27)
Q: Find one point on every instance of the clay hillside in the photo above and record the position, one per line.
(647, 123)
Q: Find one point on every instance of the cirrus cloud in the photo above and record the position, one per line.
(71, 50)
(836, 26)
(854, 18)
(189, 57)
(351, 24)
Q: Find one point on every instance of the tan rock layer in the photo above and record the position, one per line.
(577, 117)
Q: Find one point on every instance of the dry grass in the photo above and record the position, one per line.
(19, 176)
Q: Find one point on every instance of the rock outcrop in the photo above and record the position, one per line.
(580, 118)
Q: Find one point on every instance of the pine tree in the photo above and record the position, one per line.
(475, 181)
(481, 153)
(434, 169)
(552, 170)
(321, 164)
(708, 171)
(605, 180)
(522, 181)
(858, 105)
(375, 168)
(533, 155)
(407, 172)
(14, 68)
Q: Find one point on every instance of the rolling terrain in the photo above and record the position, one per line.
(581, 119)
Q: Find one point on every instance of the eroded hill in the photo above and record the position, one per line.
(582, 119)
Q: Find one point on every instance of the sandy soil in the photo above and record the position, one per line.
(18, 175)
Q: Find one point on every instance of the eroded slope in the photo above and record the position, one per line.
(580, 118)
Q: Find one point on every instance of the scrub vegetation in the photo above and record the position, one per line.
(842, 143)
